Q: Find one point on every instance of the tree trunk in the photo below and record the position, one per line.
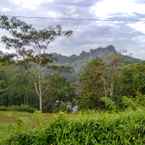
(40, 95)
(40, 102)
(112, 89)
(40, 92)
(105, 87)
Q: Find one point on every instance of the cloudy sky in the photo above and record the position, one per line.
(124, 28)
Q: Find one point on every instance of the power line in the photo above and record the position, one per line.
(75, 19)
(71, 4)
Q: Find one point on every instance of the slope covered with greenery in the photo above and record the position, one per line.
(90, 128)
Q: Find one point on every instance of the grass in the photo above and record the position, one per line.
(22, 124)
(10, 120)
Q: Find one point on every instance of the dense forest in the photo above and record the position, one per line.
(31, 77)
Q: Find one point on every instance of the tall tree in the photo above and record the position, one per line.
(132, 80)
(113, 72)
(92, 85)
(31, 45)
(59, 92)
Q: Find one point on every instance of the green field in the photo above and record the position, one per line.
(90, 128)
(13, 121)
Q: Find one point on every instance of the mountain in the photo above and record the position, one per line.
(106, 54)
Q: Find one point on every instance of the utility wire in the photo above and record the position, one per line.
(71, 4)
(74, 19)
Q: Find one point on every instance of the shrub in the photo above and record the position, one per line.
(21, 108)
(108, 104)
(140, 100)
(122, 129)
(128, 103)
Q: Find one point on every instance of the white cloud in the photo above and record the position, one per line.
(107, 8)
(29, 4)
(5, 10)
(53, 14)
(138, 26)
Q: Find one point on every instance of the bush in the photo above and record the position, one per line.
(129, 103)
(21, 108)
(140, 100)
(108, 104)
(122, 129)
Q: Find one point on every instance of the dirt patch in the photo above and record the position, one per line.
(7, 119)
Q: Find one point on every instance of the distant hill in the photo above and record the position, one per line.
(106, 54)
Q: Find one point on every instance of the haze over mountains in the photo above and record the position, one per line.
(77, 62)
(106, 54)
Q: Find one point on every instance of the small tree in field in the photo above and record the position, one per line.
(31, 45)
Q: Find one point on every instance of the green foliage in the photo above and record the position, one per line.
(31, 45)
(109, 105)
(16, 87)
(140, 100)
(129, 103)
(92, 84)
(20, 108)
(31, 79)
(132, 80)
(122, 129)
(60, 92)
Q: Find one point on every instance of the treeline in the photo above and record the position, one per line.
(30, 77)
(17, 87)
(112, 86)
(99, 86)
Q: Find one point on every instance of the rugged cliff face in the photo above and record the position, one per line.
(106, 54)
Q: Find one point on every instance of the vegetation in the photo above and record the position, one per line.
(92, 84)
(88, 128)
(31, 45)
(31, 77)
(22, 108)
(105, 99)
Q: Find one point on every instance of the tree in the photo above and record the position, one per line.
(60, 92)
(132, 80)
(5, 67)
(112, 73)
(15, 86)
(31, 46)
(92, 86)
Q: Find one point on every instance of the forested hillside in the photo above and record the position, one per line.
(106, 54)
(31, 77)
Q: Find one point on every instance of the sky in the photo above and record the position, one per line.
(125, 28)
